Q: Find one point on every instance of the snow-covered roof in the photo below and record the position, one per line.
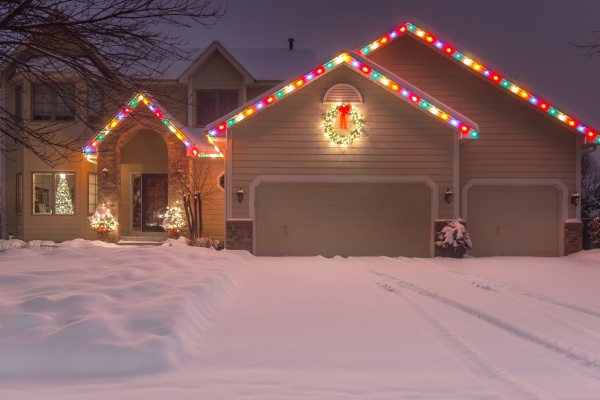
(261, 64)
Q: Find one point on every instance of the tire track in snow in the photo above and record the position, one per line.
(544, 341)
(533, 294)
(525, 296)
(473, 360)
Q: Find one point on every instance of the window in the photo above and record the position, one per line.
(53, 102)
(19, 183)
(212, 104)
(54, 193)
(94, 104)
(221, 181)
(18, 104)
(92, 193)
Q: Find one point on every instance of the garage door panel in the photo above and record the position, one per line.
(513, 220)
(345, 219)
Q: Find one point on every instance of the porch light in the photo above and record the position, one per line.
(575, 198)
(448, 196)
(105, 173)
(240, 195)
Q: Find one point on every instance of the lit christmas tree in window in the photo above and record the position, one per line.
(64, 202)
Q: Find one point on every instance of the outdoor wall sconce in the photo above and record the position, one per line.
(240, 195)
(575, 198)
(448, 196)
(105, 173)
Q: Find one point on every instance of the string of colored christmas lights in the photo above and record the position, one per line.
(476, 66)
(140, 98)
(404, 92)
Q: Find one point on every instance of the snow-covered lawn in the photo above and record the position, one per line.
(87, 320)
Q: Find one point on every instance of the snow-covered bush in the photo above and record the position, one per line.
(207, 242)
(103, 221)
(594, 230)
(454, 234)
(174, 221)
(590, 207)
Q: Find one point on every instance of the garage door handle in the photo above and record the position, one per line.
(497, 231)
(285, 230)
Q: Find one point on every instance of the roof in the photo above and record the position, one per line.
(450, 51)
(262, 64)
(370, 70)
(196, 142)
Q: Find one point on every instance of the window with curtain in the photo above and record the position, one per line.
(211, 104)
(53, 102)
(53, 193)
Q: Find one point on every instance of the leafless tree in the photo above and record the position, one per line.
(107, 44)
(195, 187)
(590, 172)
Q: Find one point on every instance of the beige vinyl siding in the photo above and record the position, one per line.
(216, 73)
(516, 140)
(57, 227)
(288, 139)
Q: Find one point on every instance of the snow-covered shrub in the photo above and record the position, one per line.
(208, 242)
(103, 221)
(590, 207)
(174, 221)
(454, 234)
(594, 230)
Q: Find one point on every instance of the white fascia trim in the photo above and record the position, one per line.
(229, 177)
(557, 183)
(345, 178)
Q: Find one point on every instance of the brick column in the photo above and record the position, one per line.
(573, 236)
(238, 234)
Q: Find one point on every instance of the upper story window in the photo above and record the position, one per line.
(214, 103)
(18, 103)
(95, 109)
(53, 102)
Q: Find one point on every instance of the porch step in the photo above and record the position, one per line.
(141, 240)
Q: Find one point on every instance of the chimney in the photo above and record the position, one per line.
(291, 42)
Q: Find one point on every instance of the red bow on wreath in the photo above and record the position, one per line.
(344, 109)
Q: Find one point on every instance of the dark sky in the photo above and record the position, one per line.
(526, 40)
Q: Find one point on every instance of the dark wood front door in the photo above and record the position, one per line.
(154, 201)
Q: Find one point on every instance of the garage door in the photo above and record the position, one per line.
(513, 220)
(347, 219)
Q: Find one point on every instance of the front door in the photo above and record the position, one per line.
(154, 201)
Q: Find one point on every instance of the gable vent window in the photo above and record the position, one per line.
(342, 93)
(213, 104)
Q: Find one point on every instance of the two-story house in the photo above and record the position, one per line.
(136, 154)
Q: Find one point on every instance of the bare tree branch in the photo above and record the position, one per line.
(108, 44)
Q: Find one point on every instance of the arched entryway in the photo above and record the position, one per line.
(144, 184)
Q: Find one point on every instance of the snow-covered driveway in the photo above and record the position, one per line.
(227, 325)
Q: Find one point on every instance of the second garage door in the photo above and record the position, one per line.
(513, 220)
(347, 219)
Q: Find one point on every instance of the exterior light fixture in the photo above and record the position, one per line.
(448, 196)
(575, 198)
(105, 173)
(240, 195)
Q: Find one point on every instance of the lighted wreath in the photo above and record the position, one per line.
(343, 110)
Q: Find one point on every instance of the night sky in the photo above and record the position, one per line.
(525, 40)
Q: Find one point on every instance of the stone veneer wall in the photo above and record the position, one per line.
(238, 234)
(573, 236)
(109, 157)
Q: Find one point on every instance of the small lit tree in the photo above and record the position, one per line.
(174, 221)
(64, 202)
(103, 221)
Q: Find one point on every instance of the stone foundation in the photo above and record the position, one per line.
(573, 236)
(238, 234)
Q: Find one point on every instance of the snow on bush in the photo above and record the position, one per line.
(594, 230)
(454, 234)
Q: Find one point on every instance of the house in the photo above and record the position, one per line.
(372, 151)
(366, 154)
(135, 155)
